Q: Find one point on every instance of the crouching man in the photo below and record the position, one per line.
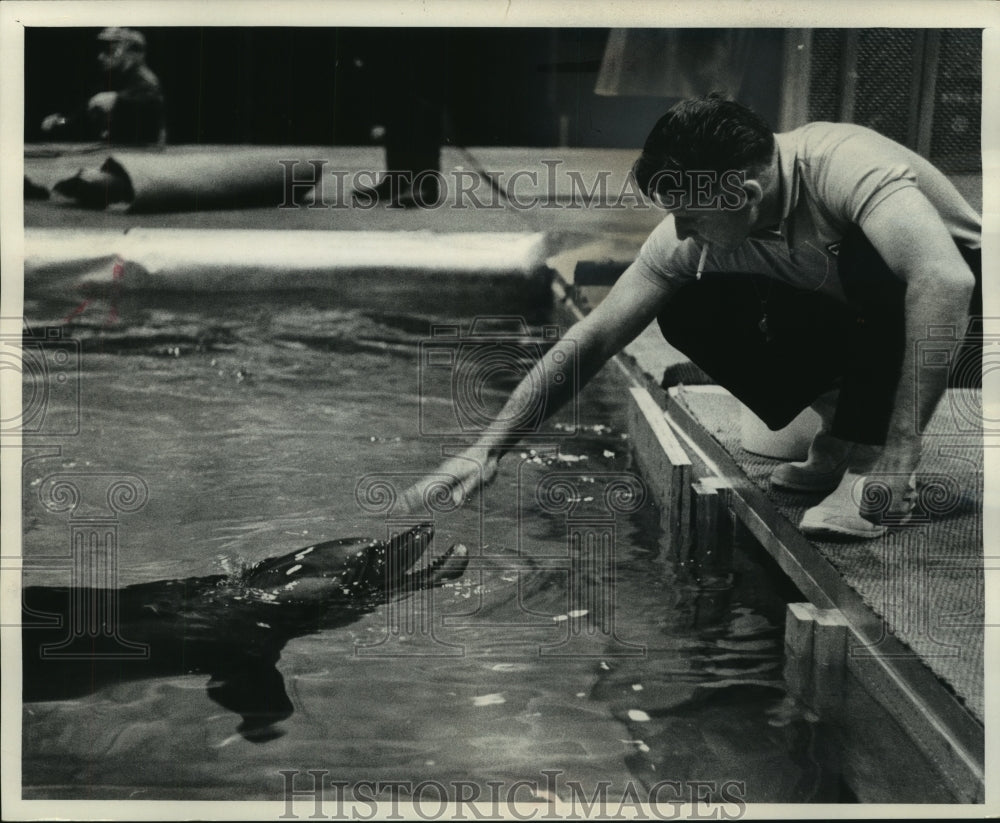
(796, 269)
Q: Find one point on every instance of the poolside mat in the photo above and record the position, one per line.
(925, 581)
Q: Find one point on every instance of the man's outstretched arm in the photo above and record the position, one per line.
(629, 307)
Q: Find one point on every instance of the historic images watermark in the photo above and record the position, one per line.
(314, 795)
(310, 184)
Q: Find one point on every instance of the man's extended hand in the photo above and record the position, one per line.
(889, 492)
(454, 481)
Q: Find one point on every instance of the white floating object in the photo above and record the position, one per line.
(559, 618)
(578, 613)
(488, 700)
(609, 454)
(637, 687)
(638, 715)
(294, 568)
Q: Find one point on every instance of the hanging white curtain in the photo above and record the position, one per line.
(674, 62)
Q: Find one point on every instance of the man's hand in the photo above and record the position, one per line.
(52, 122)
(889, 492)
(103, 101)
(454, 481)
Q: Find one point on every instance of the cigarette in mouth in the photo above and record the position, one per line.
(701, 261)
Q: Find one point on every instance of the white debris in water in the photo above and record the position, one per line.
(638, 715)
(639, 744)
(263, 625)
(505, 667)
(637, 687)
(294, 569)
(430, 763)
(559, 618)
(578, 613)
(231, 739)
(581, 694)
(303, 553)
(292, 585)
(571, 458)
(609, 454)
(488, 700)
(605, 666)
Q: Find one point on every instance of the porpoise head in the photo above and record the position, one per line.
(356, 570)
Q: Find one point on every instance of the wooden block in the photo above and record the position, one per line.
(664, 466)
(705, 508)
(713, 526)
(830, 662)
(800, 620)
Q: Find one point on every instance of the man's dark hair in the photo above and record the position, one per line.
(707, 133)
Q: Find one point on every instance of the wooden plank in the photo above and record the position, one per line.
(712, 532)
(830, 666)
(800, 619)
(665, 467)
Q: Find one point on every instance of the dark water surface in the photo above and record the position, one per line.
(261, 429)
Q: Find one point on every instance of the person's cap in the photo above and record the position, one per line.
(114, 34)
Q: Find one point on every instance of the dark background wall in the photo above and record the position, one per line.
(514, 87)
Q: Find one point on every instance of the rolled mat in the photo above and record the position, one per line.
(196, 181)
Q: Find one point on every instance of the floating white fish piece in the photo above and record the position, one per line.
(637, 687)
(609, 454)
(263, 625)
(294, 569)
(638, 715)
(578, 613)
(488, 700)
(559, 618)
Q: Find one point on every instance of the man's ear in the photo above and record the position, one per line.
(753, 190)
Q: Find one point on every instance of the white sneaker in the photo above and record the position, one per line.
(837, 516)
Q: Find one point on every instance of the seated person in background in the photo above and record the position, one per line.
(796, 269)
(131, 111)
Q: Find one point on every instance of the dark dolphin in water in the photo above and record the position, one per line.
(230, 627)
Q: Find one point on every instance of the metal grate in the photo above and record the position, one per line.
(955, 130)
(919, 87)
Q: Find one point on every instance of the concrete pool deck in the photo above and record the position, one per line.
(679, 437)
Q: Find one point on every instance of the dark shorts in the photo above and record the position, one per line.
(814, 343)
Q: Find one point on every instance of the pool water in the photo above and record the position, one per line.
(568, 647)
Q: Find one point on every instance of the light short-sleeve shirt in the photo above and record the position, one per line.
(833, 176)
